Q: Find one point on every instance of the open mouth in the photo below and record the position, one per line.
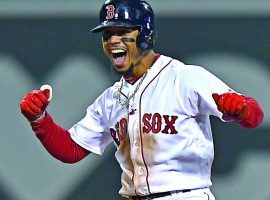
(119, 56)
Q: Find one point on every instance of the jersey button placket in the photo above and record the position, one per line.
(139, 176)
(143, 190)
(140, 171)
(136, 144)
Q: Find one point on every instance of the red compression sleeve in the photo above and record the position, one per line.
(57, 141)
(254, 115)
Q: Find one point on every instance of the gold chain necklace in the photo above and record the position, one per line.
(126, 102)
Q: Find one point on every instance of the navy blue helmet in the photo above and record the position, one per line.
(130, 14)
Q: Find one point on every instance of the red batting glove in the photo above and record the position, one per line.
(243, 110)
(231, 105)
(34, 104)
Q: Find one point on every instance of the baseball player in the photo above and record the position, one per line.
(157, 114)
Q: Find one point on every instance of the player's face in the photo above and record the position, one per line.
(119, 44)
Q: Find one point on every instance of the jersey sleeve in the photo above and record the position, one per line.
(204, 84)
(92, 131)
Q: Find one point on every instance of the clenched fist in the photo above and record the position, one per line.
(232, 105)
(35, 102)
(243, 110)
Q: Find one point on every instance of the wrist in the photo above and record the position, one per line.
(42, 116)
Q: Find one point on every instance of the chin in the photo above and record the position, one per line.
(122, 71)
(121, 68)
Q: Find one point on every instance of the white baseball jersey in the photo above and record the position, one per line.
(163, 134)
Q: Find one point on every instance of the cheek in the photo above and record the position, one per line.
(135, 52)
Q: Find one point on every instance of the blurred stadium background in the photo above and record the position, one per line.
(50, 42)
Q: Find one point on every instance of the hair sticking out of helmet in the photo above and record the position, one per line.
(130, 14)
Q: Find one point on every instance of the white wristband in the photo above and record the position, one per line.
(40, 117)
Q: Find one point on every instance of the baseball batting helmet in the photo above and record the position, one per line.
(131, 14)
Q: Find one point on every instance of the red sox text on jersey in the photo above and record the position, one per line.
(151, 123)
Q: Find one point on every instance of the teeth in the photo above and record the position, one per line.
(117, 51)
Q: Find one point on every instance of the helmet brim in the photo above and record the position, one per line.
(109, 24)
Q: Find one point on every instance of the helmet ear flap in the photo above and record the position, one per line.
(147, 42)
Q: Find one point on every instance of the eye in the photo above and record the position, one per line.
(107, 34)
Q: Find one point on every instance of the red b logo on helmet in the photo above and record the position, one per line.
(110, 11)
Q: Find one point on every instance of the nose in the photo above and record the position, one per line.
(115, 39)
